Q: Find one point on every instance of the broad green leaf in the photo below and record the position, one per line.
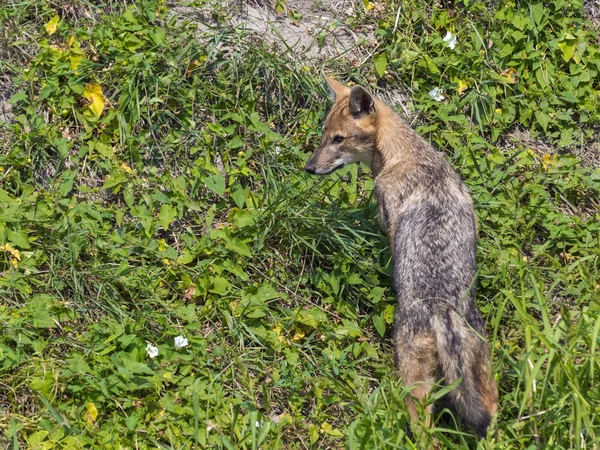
(388, 314)
(19, 238)
(19, 96)
(238, 246)
(328, 429)
(215, 183)
(131, 422)
(239, 195)
(568, 50)
(220, 285)
(543, 119)
(380, 64)
(379, 323)
(35, 440)
(236, 142)
(166, 215)
(537, 11)
(312, 317)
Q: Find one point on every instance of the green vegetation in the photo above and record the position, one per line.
(151, 187)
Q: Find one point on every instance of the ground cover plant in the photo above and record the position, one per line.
(151, 189)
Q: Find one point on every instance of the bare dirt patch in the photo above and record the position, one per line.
(5, 93)
(592, 11)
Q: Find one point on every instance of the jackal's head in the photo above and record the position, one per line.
(349, 131)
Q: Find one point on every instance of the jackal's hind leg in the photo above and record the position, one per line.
(417, 363)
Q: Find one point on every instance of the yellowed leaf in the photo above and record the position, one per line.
(52, 25)
(462, 87)
(93, 93)
(549, 160)
(280, 336)
(298, 335)
(13, 251)
(91, 413)
(328, 429)
(75, 61)
(510, 74)
(128, 169)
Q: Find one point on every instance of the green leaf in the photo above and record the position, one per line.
(312, 318)
(36, 439)
(537, 11)
(19, 238)
(238, 246)
(568, 50)
(429, 64)
(379, 323)
(18, 97)
(220, 285)
(216, 183)
(236, 142)
(543, 119)
(131, 422)
(166, 216)
(61, 146)
(380, 64)
(239, 196)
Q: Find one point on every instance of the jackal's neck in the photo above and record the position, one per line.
(396, 140)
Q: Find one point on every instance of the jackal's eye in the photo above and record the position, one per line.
(338, 139)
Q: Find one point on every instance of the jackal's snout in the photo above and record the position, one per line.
(310, 168)
(348, 131)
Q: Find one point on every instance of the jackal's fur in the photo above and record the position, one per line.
(427, 212)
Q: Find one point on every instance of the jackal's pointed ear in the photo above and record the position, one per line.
(336, 88)
(360, 101)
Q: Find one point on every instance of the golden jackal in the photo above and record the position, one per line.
(427, 212)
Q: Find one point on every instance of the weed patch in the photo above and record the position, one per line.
(151, 190)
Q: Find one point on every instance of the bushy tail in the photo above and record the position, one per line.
(463, 354)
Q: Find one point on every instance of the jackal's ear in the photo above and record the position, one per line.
(360, 101)
(336, 89)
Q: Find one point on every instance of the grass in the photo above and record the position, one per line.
(178, 208)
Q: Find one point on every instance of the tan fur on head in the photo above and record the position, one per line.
(349, 132)
(337, 89)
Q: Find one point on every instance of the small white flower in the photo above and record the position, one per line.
(151, 350)
(277, 150)
(180, 342)
(451, 40)
(436, 94)
(257, 424)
